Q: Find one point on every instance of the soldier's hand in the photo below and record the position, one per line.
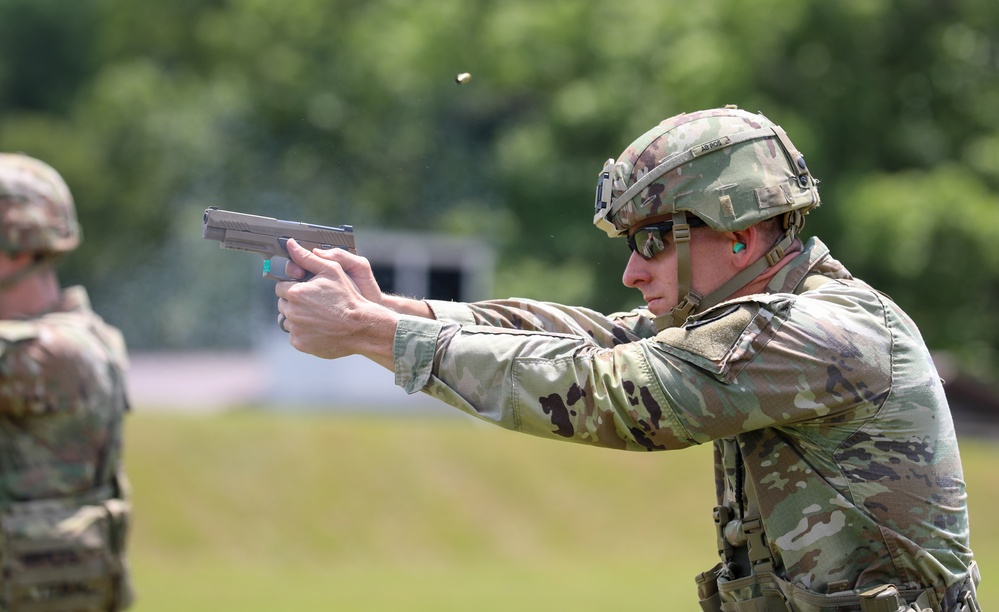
(329, 316)
(357, 268)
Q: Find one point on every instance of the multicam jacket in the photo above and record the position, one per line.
(826, 412)
(62, 494)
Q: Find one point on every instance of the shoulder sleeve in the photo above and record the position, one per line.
(546, 383)
(818, 363)
(723, 340)
(761, 361)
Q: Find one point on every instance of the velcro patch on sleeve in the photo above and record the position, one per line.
(722, 340)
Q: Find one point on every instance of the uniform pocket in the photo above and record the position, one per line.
(56, 557)
(753, 593)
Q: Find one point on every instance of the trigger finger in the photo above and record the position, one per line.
(293, 270)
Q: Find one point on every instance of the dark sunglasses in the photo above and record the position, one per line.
(650, 239)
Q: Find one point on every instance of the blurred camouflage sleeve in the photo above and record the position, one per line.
(46, 366)
(62, 400)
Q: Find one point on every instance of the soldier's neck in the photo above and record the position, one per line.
(35, 294)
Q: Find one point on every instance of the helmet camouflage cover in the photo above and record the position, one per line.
(36, 208)
(726, 166)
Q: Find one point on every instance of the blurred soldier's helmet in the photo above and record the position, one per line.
(725, 168)
(36, 208)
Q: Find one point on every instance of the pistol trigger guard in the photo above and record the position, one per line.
(274, 269)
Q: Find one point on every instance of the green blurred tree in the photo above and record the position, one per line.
(899, 100)
(346, 111)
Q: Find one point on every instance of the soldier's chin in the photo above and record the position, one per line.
(658, 306)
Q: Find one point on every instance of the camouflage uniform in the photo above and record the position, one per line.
(837, 467)
(64, 505)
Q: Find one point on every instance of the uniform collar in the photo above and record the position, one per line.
(813, 259)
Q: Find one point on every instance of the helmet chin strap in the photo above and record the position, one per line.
(692, 301)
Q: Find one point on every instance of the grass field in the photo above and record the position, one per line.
(255, 511)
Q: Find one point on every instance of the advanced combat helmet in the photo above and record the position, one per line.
(725, 168)
(36, 208)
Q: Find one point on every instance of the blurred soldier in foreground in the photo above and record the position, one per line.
(838, 477)
(63, 502)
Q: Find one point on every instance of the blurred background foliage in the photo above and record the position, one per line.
(346, 111)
